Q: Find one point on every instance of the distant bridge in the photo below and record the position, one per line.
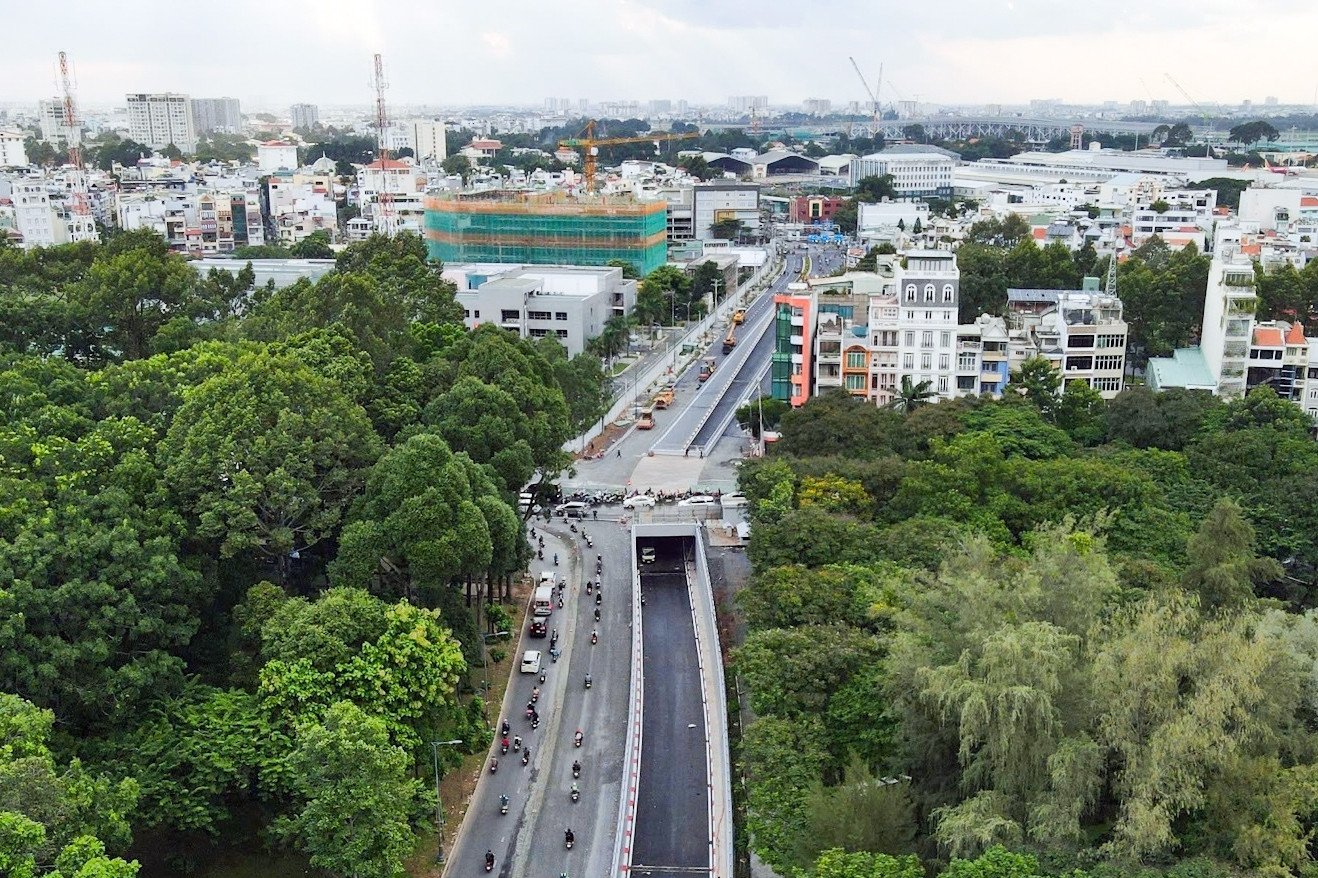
(970, 127)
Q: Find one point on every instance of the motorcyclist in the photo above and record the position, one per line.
(505, 728)
(569, 837)
(489, 860)
(517, 743)
(526, 755)
(588, 681)
(555, 559)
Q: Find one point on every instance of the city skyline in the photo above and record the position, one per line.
(945, 51)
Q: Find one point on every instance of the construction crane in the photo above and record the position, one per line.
(873, 93)
(384, 198)
(589, 145)
(1203, 112)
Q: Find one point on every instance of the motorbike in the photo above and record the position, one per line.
(576, 769)
(529, 710)
(504, 728)
(560, 602)
(597, 614)
(594, 637)
(599, 567)
(540, 554)
(503, 804)
(535, 722)
(599, 598)
(589, 544)
(554, 654)
(494, 766)
(576, 741)
(572, 527)
(588, 681)
(575, 794)
(503, 745)
(555, 559)
(489, 861)
(517, 743)
(590, 586)
(568, 839)
(542, 676)
(535, 694)
(526, 755)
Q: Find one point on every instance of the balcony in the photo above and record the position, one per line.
(829, 357)
(797, 341)
(798, 320)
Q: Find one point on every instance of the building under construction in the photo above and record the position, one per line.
(547, 229)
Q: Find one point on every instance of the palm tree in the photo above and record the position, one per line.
(911, 396)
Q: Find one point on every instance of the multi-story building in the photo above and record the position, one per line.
(1081, 332)
(304, 115)
(712, 202)
(54, 129)
(748, 103)
(817, 106)
(300, 203)
(1230, 302)
(550, 228)
(216, 114)
(813, 208)
(928, 287)
(918, 171)
(428, 140)
(568, 302)
(45, 216)
(197, 223)
(276, 155)
(13, 153)
(391, 196)
(791, 369)
(159, 120)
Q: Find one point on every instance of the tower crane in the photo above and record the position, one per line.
(873, 93)
(589, 145)
(1203, 112)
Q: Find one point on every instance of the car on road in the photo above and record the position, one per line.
(531, 661)
(571, 509)
(698, 500)
(647, 554)
(638, 501)
(539, 628)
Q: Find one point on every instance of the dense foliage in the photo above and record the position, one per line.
(1079, 630)
(235, 531)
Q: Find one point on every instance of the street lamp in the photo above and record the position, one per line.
(485, 670)
(439, 806)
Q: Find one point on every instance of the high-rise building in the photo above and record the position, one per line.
(159, 120)
(660, 107)
(54, 130)
(818, 106)
(747, 103)
(428, 139)
(304, 115)
(216, 114)
(549, 229)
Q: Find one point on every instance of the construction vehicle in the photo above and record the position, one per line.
(706, 369)
(645, 421)
(739, 316)
(664, 399)
(730, 340)
(589, 145)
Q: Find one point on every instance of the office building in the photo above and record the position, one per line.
(221, 115)
(428, 143)
(161, 120)
(304, 115)
(552, 228)
(813, 208)
(54, 129)
(712, 202)
(918, 171)
(568, 302)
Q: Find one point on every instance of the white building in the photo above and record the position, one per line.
(304, 115)
(301, 203)
(567, 302)
(881, 219)
(817, 106)
(712, 202)
(45, 221)
(1081, 332)
(918, 171)
(276, 155)
(13, 154)
(217, 114)
(390, 193)
(928, 289)
(159, 120)
(54, 130)
(428, 140)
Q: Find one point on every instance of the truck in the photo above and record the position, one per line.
(645, 421)
(706, 369)
(730, 340)
(664, 398)
(739, 316)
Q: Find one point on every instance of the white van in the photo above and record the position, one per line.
(531, 661)
(543, 602)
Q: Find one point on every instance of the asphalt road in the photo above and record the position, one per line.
(528, 841)
(672, 801)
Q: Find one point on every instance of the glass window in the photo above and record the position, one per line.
(908, 361)
(855, 382)
(910, 339)
(943, 361)
(560, 315)
(926, 361)
(947, 292)
(928, 292)
(926, 339)
(946, 341)
(855, 359)
(910, 292)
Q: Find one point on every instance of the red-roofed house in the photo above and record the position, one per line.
(481, 148)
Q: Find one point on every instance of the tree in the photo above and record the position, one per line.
(785, 597)
(1160, 206)
(728, 229)
(836, 863)
(313, 246)
(707, 282)
(614, 337)
(1224, 570)
(457, 164)
(696, 166)
(911, 396)
(358, 798)
(847, 216)
(660, 295)
(876, 188)
(1082, 413)
(1249, 133)
(1007, 232)
(766, 410)
(1039, 382)
(628, 267)
(837, 423)
(265, 456)
(983, 281)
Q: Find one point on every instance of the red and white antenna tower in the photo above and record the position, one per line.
(385, 198)
(83, 227)
(71, 123)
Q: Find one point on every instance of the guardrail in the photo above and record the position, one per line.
(631, 757)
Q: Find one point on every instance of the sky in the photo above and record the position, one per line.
(519, 52)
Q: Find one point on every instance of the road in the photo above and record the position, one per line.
(682, 423)
(672, 802)
(528, 841)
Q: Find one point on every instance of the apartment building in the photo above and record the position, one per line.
(44, 215)
(159, 120)
(13, 152)
(202, 223)
(299, 203)
(712, 202)
(391, 196)
(791, 366)
(304, 115)
(222, 115)
(1081, 332)
(54, 129)
(428, 139)
(929, 289)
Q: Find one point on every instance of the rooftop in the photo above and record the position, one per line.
(1185, 368)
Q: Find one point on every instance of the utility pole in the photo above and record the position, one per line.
(439, 805)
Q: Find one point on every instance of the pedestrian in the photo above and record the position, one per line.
(619, 452)
(595, 514)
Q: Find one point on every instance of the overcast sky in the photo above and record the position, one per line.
(274, 52)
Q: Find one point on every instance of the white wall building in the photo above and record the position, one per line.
(428, 139)
(917, 171)
(390, 194)
(882, 218)
(217, 114)
(276, 155)
(159, 120)
(53, 129)
(928, 290)
(712, 202)
(13, 154)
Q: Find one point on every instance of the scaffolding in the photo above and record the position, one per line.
(551, 228)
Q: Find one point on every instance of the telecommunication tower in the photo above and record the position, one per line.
(384, 199)
(83, 227)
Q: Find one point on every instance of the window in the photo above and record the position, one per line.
(1080, 341)
(476, 314)
(562, 333)
(509, 316)
(855, 382)
(943, 360)
(945, 340)
(796, 368)
(1108, 362)
(910, 339)
(910, 292)
(855, 359)
(1111, 341)
(928, 292)
(928, 315)
(1107, 384)
(560, 315)
(1079, 363)
(948, 292)
(537, 315)
(965, 361)
(942, 385)
(926, 361)
(539, 333)
(908, 361)
(465, 314)
(926, 339)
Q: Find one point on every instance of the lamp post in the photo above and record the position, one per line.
(485, 670)
(439, 805)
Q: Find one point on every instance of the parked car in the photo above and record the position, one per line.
(698, 500)
(531, 661)
(571, 509)
(638, 501)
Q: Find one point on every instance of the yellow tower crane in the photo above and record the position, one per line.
(589, 145)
